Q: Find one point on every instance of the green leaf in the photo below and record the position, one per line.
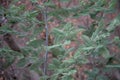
(112, 4)
(102, 77)
(65, 0)
(87, 40)
(113, 66)
(52, 67)
(6, 29)
(54, 77)
(35, 43)
(67, 78)
(26, 60)
(34, 1)
(69, 61)
(114, 24)
(56, 62)
(71, 72)
(22, 62)
(58, 45)
(88, 48)
(106, 55)
(57, 51)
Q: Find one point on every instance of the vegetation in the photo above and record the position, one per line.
(65, 50)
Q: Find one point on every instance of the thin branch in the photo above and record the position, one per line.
(46, 42)
(67, 5)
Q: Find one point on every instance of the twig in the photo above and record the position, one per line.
(69, 3)
(46, 42)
